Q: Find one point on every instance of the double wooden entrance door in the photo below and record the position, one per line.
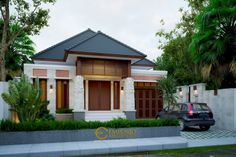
(99, 95)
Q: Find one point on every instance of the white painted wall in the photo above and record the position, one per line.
(4, 107)
(51, 80)
(223, 104)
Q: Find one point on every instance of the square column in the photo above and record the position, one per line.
(79, 112)
(128, 98)
(51, 95)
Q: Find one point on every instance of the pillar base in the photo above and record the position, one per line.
(79, 115)
(131, 115)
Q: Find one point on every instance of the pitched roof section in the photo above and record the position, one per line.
(101, 43)
(144, 62)
(58, 51)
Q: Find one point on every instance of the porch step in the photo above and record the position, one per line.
(103, 115)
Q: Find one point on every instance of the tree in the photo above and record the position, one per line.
(24, 99)
(29, 15)
(176, 57)
(19, 51)
(214, 43)
(168, 88)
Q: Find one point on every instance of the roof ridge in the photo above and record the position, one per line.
(99, 32)
(144, 59)
(53, 46)
(83, 41)
(122, 43)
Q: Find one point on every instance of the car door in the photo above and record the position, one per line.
(176, 111)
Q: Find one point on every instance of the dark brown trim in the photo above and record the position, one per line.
(143, 65)
(78, 66)
(88, 54)
(129, 69)
(46, 59)
(116, 95)
(98, 54)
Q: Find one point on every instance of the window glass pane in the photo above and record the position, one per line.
(62, 94)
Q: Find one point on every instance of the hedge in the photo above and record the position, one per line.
(7, 125)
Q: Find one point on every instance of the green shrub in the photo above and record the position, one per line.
(7, 125)
(25, 99)
(64, 110)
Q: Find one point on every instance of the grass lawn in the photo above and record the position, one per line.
(194, 150)
(209, 151)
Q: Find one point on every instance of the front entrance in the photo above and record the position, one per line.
(99, 95)
(148, 100)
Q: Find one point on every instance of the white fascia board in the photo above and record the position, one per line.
(135, 72)
(52, 62)
(48, 66)
(145, 81)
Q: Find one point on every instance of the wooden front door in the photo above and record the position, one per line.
(99, 95)
(148, 100)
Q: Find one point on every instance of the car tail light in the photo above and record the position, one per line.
(190, 110)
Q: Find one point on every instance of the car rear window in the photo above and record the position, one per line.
(200, 107)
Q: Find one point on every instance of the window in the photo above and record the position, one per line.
(43, 88)
(116, 91)
(176, 107)
(62, 94)
(184, 107)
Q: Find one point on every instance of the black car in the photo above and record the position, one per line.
(189, 114)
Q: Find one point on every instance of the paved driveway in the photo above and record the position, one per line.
(195, 133)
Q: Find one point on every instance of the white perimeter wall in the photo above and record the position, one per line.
(223, 104)
(4, 107)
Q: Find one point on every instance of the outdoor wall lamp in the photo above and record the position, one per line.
(51, 89)
(195, 92)
(180, 92)
(122, 88)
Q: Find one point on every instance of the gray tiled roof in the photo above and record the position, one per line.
(144, 62)
(88, 42)
(58, 51)
(102, 43)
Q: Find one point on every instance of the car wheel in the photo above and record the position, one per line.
(204, 127)
(182, 125)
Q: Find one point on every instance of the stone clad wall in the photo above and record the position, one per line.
(128, 98)
(223, 104)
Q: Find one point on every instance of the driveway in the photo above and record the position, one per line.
(197, 134)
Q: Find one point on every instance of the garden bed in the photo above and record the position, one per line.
(67, 131)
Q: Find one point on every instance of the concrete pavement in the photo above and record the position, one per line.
(92, 147)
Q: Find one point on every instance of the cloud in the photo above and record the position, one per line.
(133, 22)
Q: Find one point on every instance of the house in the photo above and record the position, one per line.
(98, 77)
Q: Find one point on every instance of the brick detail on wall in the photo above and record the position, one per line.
(146, 77)
(40, 72)
(62, 73)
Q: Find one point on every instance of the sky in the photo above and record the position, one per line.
(133, 22)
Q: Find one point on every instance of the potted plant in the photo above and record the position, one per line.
(64, 114)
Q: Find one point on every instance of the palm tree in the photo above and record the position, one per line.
(168, 88)
(19, 51)
(214, 43)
